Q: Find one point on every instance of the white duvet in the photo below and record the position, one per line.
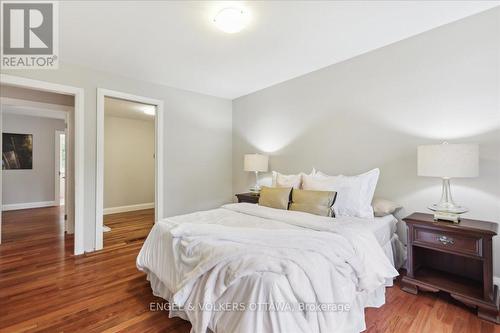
(248, 268)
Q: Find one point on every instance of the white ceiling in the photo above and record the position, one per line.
(114, 107)
(175, 43)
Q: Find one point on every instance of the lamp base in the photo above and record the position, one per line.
(447, 209)
(255, 189)
(446, 216)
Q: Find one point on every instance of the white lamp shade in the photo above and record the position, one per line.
(256, 162)
(448, 160)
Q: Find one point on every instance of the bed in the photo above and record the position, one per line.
(248, 268)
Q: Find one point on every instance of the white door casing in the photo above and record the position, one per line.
(78, 157)
(159, 149)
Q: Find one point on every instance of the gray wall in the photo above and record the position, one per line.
(373, 110)
(36, 185)
(129, 165)
(197, 140)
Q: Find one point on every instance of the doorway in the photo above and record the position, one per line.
(140, 159)
(28, 100)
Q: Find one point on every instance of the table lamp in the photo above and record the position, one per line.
(256, 163)
(448, 161)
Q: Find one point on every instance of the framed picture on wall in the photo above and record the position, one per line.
(17, 151)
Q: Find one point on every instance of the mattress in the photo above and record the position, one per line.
(382, 227)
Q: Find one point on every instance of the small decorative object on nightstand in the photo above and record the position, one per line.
(454, 258)
(256, 163)
(448, 161)
(248, 197)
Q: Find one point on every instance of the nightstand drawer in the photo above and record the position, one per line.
(449, 241)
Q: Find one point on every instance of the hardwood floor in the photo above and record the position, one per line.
(44, 288)
(127, 228)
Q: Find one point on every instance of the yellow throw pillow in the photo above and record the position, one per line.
(314, 202)
(275, 197)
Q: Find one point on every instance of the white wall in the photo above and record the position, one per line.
(373, 110)
(197, 140)
(129, 164)
(37, 184)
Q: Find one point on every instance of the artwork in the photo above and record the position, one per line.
(17, 151)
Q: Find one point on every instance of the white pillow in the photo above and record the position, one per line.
(383, 207)
(295, 181)
(354, 193)
(281, 180)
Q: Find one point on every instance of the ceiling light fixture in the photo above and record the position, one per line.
(231, 20)
(150, 110)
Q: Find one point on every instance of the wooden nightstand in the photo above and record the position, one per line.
(248, 197)
(455, 258)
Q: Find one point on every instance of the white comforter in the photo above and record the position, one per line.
(248, 268)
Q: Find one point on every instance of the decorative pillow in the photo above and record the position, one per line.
(383, 207)
(275, 197)
(354, 193)
(314, 202)
(281, 180)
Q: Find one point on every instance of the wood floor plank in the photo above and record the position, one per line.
(45, 288)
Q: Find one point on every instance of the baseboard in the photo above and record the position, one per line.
(130, 208)
(496, 280)
(28, 205)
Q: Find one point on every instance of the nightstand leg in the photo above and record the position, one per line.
(409, 288)
(489, 315)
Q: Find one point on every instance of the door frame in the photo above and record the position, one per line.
(78, 152)
(57, 165)
(159, 150)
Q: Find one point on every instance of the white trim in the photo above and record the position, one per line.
(28, 205)
(159, 149)
(496, 280)
(129, 208)
(79, 183)
(57, 167)
(57, 162)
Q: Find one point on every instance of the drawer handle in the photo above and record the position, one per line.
(446, 240)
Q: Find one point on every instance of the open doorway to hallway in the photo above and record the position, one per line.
(129, 166)
(139, 158)
(33, 101)
(34, 127)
